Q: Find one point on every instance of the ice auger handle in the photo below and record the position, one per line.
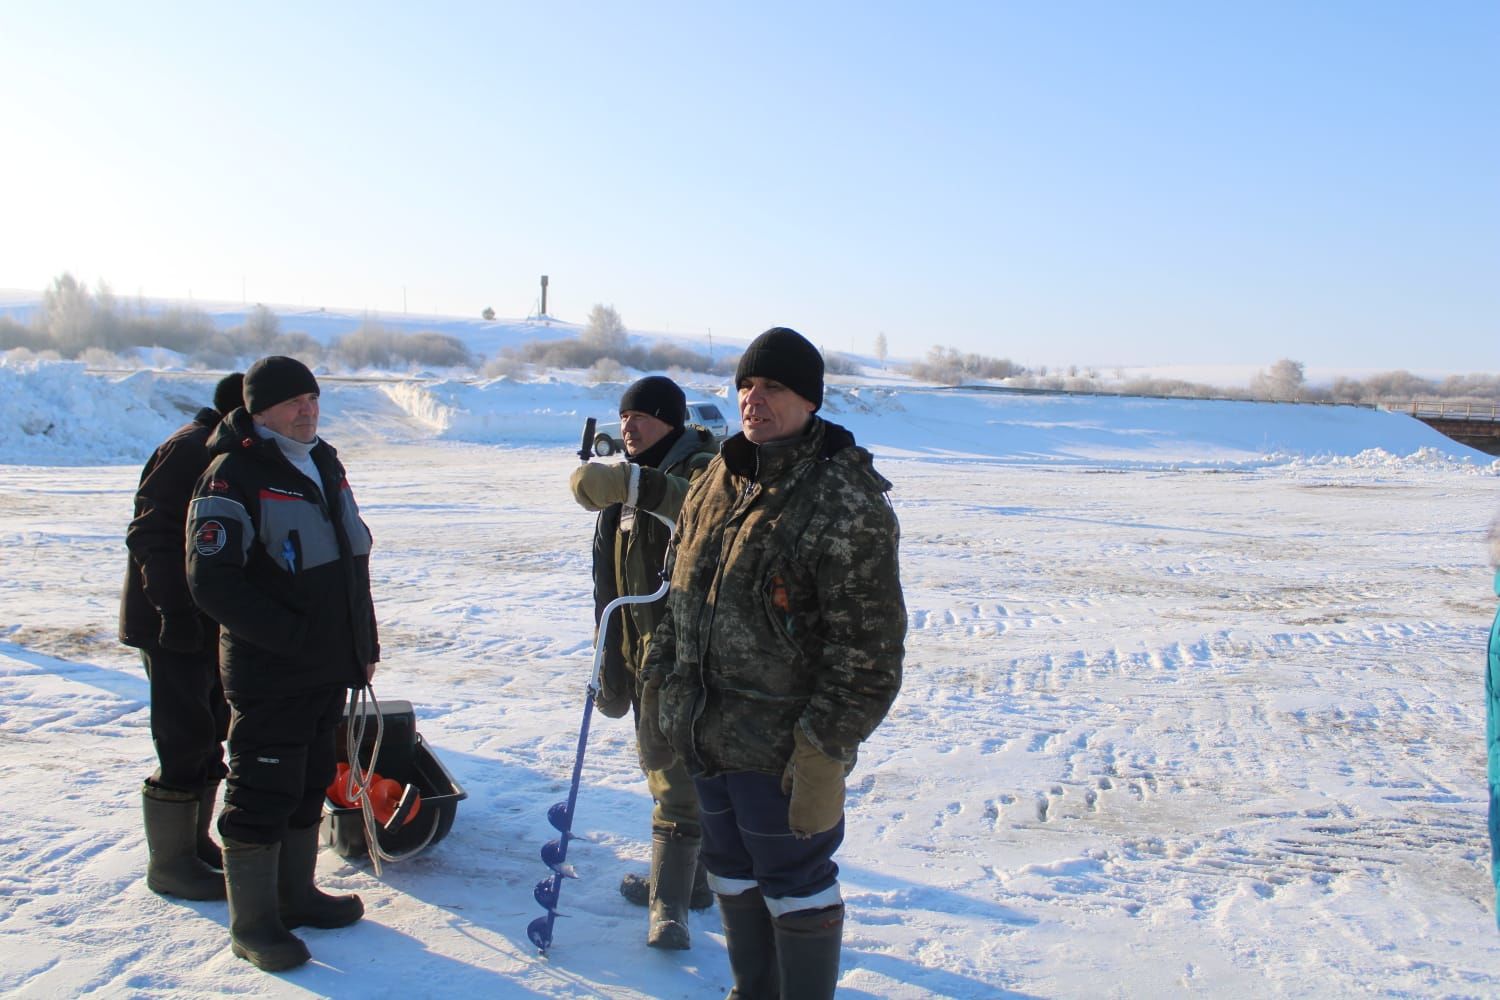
(586, 446)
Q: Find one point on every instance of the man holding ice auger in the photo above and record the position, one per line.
(664, 455)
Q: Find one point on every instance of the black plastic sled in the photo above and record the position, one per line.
(405, 757)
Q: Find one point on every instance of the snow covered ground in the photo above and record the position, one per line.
(1193, 704)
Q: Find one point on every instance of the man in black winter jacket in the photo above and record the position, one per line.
(179, 649)
(279, 557)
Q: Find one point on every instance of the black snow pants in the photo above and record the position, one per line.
(189, 718)
(282, 756)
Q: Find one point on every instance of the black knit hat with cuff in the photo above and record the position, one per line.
(656, 396)
(275, 380)
(786, 356)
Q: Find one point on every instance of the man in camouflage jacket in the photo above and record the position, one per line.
(630, 548)
(780, 653)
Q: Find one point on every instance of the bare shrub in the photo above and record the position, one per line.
(505, 365)
(296, 344)
(948, 366)
(584, 351)
(13, 335)
(839, 364)
(668, 355)
(607, 370)
(373, 346)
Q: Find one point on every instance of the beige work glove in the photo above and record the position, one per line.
(597, 485)
(815, 781)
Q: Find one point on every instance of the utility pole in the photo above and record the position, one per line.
(544, 295)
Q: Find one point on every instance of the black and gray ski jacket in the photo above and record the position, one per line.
(282, 564)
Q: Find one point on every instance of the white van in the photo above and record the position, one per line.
(707, 415)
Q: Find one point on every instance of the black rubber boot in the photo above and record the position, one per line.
(674, 861)
(208, 851)
(256, 932)
(750, 939)
(808, 944)
(173, 868)
(636, 888)
(302, 903)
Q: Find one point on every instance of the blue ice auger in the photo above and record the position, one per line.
(555, 852)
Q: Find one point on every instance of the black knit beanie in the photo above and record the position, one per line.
(275, 380)
(229, 394)
(656, 396)
(783, 354)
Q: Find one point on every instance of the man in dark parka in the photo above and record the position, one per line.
(279, 557)
(179, 648)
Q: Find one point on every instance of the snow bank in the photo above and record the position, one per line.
(504, 411)
(60, 414)
(55, 413)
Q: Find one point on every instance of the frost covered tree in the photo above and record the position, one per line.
(882, 349)
(1283, 381)
(604, 329)
(71, 317)
(261, 326)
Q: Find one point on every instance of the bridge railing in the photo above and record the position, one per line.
(1438, 409)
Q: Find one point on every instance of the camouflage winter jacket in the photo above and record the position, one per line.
(630, 562)
(785, 606)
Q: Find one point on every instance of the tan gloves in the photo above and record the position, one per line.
(597, 485)
(656, 753)
(613, 697)
(815, 781)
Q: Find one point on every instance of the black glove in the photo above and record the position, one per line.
(181, 632)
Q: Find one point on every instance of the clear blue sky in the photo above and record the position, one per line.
(1091, 183)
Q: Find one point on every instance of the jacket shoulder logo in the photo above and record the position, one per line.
(209, 539)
